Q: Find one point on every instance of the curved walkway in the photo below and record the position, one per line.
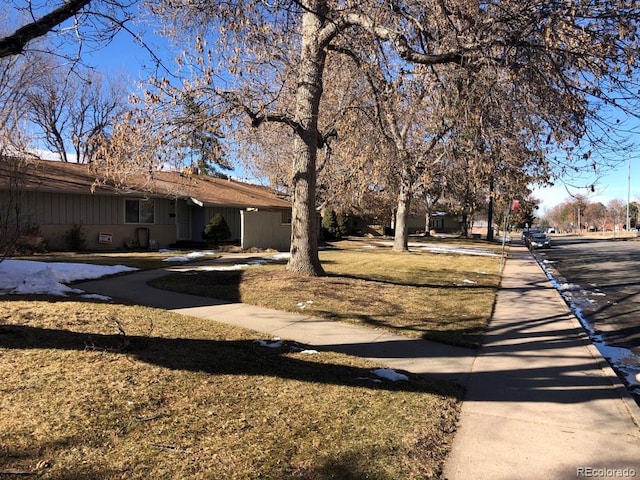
(541, 402)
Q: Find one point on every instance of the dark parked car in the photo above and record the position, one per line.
(527, 233)
(539, 240)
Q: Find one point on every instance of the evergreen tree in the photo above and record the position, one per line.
(329, 224)
(216, 230)
(342, 225)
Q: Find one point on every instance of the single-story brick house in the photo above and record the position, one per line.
(161, 208)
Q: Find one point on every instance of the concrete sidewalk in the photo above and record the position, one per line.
(418, 356)
(541, 402)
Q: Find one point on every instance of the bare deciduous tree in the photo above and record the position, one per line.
(569, 55)
(71, 111)
(284, 47)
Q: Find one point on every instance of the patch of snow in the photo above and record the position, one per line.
(275, 343)
(188, 257)
(563, 287)
(23, 277)
(458, 250)
(390, 374)
(96, 296)
(304, 304)
(281, 256)
(374, 380)
(235, 266)
(447, 249)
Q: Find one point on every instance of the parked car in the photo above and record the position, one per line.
(527, 233)
(539, 240)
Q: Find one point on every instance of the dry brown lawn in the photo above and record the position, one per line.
(447, 297)
(99, 391)
(104, 391)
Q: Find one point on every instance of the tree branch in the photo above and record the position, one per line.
(15, 43)
(258, 119)
(398, 40)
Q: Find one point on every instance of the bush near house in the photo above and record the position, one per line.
(22, 240)
(76, 238)
(334, 226)
(216, 230)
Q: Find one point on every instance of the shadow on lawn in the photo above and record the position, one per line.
(225, 285)
(215, 357)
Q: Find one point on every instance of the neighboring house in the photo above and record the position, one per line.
(440, 222)
(481, 228)
(159, 209)
(444, 222)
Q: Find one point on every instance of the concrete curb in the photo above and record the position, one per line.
(630, 403)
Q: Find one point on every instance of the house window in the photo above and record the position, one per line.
(139, 211)
(286, 217)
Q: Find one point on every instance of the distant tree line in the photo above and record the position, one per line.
(581, 214)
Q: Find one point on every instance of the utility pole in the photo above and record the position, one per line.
(628, 228)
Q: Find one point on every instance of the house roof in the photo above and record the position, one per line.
(51, 176)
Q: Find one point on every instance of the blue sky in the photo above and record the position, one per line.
(614, 185)
(619, 182)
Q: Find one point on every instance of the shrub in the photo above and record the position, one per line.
(216, 230)
(28, 242)
(76, 238)
(342, 224)
(334, 227)
(329, 226)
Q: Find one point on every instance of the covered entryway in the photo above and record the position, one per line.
(183, 220)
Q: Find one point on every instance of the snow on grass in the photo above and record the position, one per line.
(186, 258)
(302, 305)
(275, 343)
(24, 277)
(220, 268)
(390, 374)
(459, 250)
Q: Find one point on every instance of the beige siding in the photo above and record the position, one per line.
(55, 213)
(264, 229)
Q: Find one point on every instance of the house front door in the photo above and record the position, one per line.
(183, 220)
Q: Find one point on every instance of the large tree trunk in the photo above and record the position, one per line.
(465, 224)
(401, 235)
(304, 258)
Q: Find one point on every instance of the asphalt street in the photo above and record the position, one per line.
(600, 279)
